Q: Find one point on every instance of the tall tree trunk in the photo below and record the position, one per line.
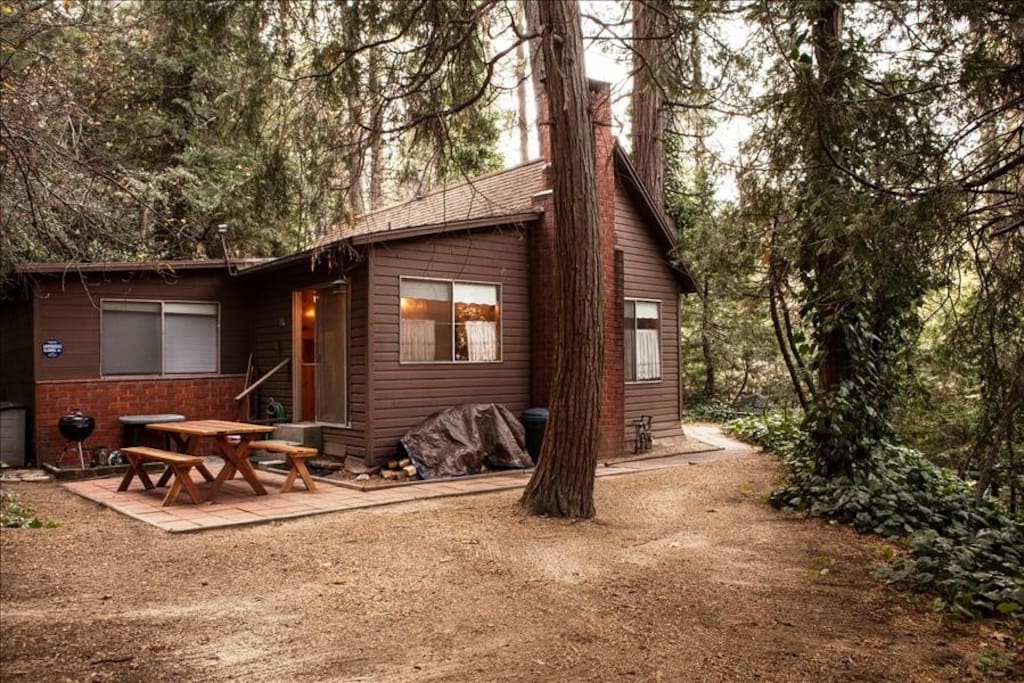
(648, 106)
(707, 324)
(354, 196)
(563, 481)
(835, 362)
(376, 139)
(521, 123)
(823, 245)
(780, 335)
(794, 350)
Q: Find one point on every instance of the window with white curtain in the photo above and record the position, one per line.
(159, 338)
(642, 324)
(444, 321)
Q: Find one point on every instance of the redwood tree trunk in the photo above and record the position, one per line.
(563, 481)
(648, 109)
(521, 123)
(825, 242)
(706, 345)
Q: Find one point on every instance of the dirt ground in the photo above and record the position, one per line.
(685, 575)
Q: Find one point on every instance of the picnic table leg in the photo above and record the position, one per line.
(235, 460)
(182, 479)
(238, 456)
(190, 446)
(226, 472)
(298, 468)
(205, 472)
(135, 468)
(184, 445)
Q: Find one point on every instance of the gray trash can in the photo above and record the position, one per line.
(12, 434)
(135, 427)
(535, 420)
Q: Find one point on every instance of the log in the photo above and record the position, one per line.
(404, 462)
(410, 470)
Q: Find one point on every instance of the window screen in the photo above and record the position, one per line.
(131, 338)
(153, 337)
(190, 338)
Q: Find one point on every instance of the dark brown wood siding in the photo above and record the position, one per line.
(16, 349)
(405, 394)
(271, 295)
(68, 309)
(352, 440)
(647, 275)
(17, 355)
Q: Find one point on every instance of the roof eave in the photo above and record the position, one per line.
(129, 266)
(521, 218)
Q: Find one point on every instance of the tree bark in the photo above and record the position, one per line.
(787, 323)
(648, 105)
(376, 139)
(563, 481)
(780, 336)
(706, 341)
(521, 123)
(823, 245)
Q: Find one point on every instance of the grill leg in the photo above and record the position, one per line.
(81, 455)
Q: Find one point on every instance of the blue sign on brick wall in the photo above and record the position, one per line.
(52, 348)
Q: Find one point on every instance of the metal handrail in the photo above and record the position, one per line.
(262, 379)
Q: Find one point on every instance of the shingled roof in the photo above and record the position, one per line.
(508, 193)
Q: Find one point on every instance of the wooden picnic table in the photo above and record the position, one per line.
(187, 436)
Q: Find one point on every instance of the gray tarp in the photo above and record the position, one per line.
(460, 440)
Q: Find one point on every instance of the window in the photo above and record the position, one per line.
(158, 338)
(449, 321)
(643, 341)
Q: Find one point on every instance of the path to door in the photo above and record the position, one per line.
(237, 506)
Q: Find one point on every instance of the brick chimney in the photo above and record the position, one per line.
(544, 274)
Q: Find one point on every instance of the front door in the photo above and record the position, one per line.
(322, 354)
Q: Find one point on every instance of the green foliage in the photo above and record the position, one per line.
(776, 430)
(15, 514)
(133, 130)
(971, 557)
(711, 411)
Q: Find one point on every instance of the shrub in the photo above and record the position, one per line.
(17, 515)
(970, 557)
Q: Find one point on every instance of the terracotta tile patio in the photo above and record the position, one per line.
(236, 504)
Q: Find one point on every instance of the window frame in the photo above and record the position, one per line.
(451, 283)
(661, 345)
(163, 331)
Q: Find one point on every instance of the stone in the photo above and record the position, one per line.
(356, 465)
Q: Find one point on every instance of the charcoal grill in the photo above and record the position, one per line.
(76, 427)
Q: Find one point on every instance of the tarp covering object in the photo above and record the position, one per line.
(462, 439)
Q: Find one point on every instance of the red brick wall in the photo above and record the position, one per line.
(106, 400)
(612, 394)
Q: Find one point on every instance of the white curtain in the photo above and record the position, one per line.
(648, 356)
(418, 340)
(482, 338)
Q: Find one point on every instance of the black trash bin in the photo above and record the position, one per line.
(535, 420)
(134, 427)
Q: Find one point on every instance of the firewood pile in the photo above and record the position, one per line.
(398, 470)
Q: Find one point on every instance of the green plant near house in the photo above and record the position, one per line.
(14, 514)
(969, 556)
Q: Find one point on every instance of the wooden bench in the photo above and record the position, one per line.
(178, 466)
(297, 456)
